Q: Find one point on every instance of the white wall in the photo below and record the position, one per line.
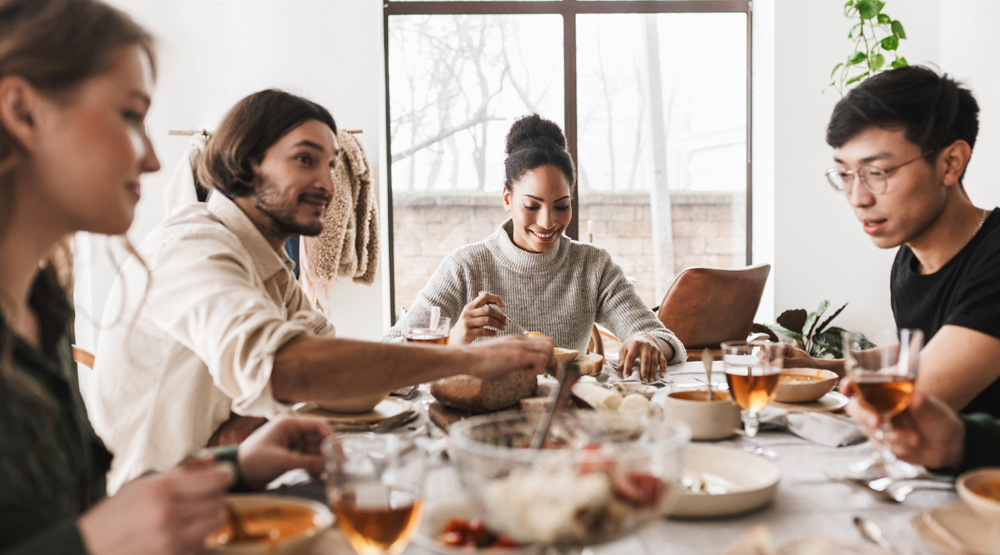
(820, 250)
(212, 53)
(968, 45)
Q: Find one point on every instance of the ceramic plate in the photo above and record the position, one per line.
(439, 512)
(830, 402)
(744, 482)
(386, 409)
(323, 519)
(954, 530)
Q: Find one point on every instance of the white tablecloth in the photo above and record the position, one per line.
(807, 503)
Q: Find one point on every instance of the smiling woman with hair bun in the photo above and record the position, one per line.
(541, 278)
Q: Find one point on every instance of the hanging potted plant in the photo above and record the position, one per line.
(876, 37)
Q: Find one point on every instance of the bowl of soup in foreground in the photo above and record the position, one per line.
(804, 385)
(353, 405)
(281, 525)
(980, 489)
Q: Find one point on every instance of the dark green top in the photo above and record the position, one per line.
(52, 464)
(982, 442)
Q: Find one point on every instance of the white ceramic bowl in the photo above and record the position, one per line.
(812, 384)
(748, 481)
(986, 507)
(353, 405)
(292, 545)
(716, 419)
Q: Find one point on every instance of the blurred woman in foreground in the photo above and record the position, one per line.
(75, 83)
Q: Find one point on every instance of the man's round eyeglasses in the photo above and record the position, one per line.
(873, 178)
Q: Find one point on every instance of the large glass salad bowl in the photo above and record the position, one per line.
(600, 476)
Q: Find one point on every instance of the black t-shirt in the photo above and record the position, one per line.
(964, 292)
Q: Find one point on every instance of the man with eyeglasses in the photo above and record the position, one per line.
(902, 142)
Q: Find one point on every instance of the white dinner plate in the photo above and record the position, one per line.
(830, 402)
(386, 409)
(438, 513)
(955, 530)
(749, 482)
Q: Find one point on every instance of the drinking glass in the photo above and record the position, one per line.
(752, 371)
(425, 330)
(883, 379)
(374, 487)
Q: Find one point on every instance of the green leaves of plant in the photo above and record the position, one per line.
(793, 320)
(870, 23)
(897, 29)
(868, 9)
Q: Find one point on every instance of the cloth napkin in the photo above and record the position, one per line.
(832, 430)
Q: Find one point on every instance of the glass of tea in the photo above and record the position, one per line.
(424, 329)
(752, 370)
(374, 487)
(882, 379)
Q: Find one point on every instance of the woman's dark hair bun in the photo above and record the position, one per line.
(534, 132)
(533, 142)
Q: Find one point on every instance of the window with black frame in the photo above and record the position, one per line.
(653, 96)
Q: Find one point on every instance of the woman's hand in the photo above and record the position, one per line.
(647, 349)
(286, 443)
(161, 514)
(477, 319)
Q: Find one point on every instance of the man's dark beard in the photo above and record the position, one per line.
(267, 199)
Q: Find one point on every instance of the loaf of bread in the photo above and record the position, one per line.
(590, 365)
(596, 397)
(469, 393)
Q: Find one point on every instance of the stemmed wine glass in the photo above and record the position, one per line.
(752, 371)
(883, 378)
(375, 488)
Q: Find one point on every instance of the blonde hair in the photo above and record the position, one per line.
(55, 45)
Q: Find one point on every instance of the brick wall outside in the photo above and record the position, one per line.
(709, 230)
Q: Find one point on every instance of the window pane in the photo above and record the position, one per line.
(662, 109)
(456, 84)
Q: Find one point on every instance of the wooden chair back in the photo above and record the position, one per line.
(706, 306)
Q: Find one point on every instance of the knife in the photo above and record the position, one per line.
(509, 320)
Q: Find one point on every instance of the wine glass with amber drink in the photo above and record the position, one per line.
(883, 379)
(374, 487)
(752, 372)
(426, 330)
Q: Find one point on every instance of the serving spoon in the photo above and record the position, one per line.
(568, 375)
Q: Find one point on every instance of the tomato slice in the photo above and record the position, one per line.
(639, 489)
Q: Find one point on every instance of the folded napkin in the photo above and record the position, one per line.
(832, 430)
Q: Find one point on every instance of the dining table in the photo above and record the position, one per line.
(808, 501)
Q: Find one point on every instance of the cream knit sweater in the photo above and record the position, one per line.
(560, 293)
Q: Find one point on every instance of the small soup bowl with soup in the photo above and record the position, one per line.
(980, 489)
(715, 417)
(804, 385)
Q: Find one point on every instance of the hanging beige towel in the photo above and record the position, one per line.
(348, 245)
(182, 188)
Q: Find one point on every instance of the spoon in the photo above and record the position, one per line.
(871, 532)
(236, 522)
(568, 375)
(707, 359)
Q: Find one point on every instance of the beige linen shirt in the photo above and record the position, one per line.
(175, 357)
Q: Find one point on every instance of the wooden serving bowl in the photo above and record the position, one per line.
(815, 384)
